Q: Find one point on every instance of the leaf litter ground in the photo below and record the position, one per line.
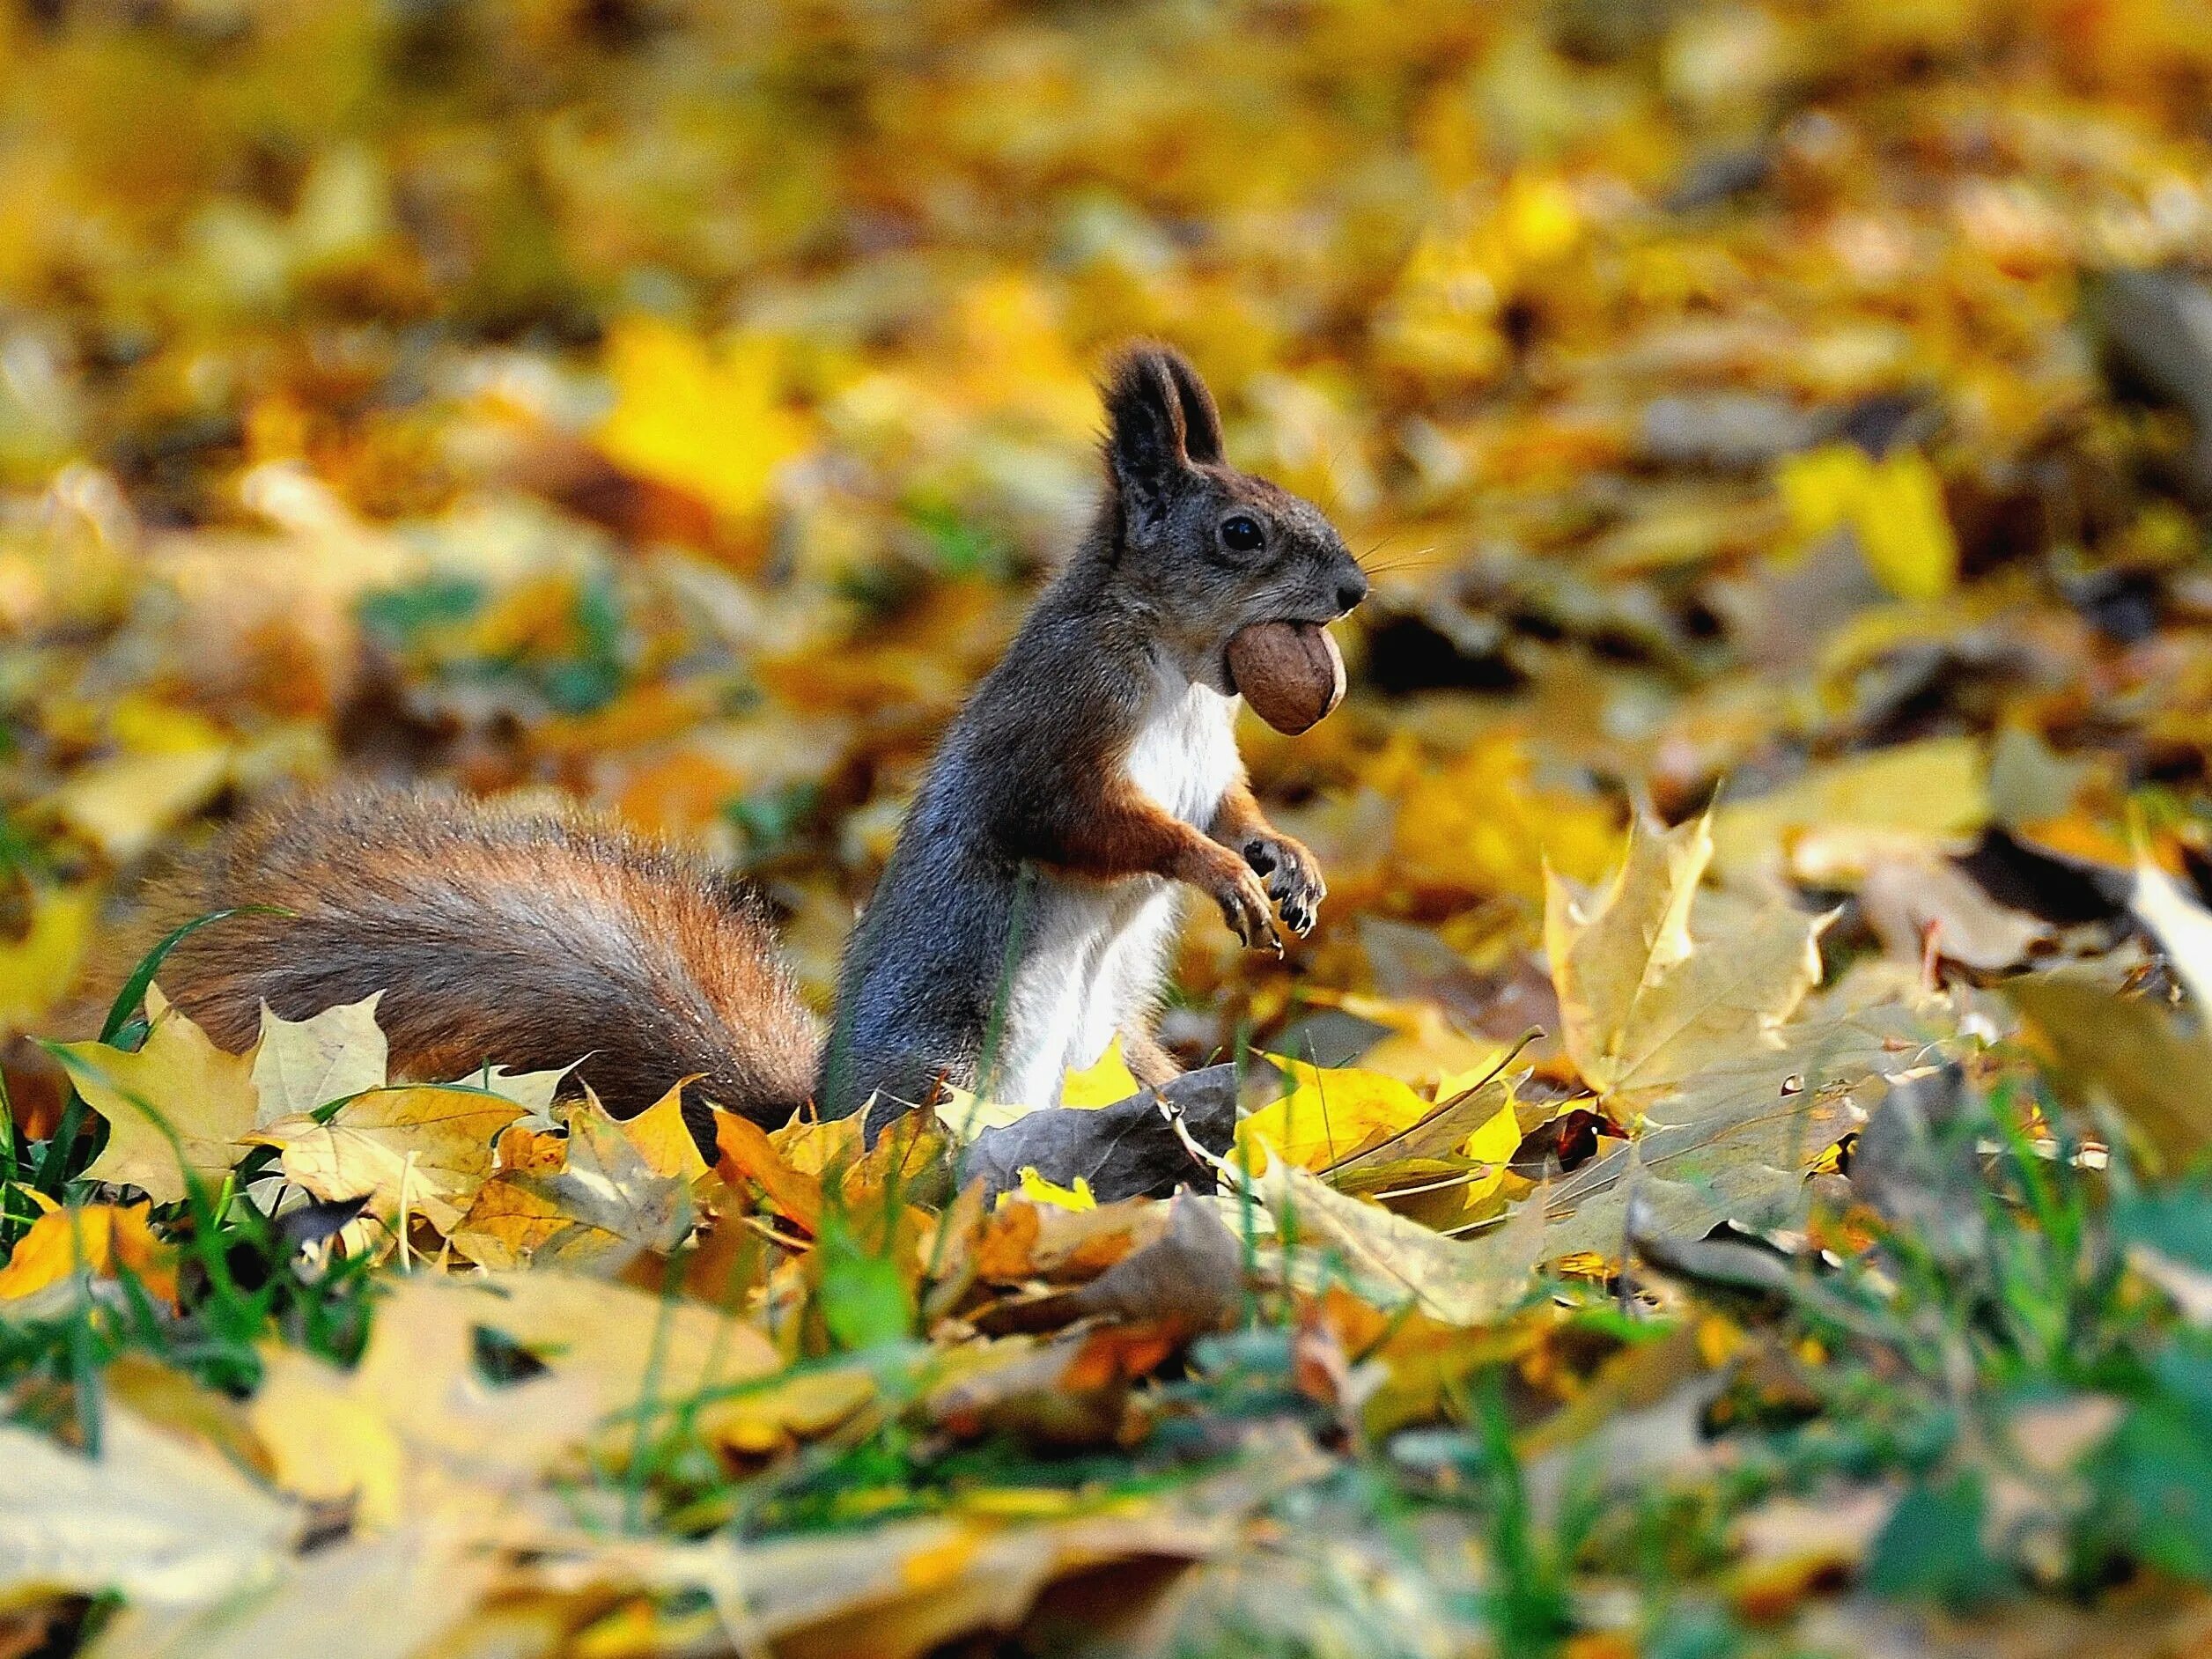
(1728, 1176)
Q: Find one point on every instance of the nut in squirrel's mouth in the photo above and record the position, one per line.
(1291, 673)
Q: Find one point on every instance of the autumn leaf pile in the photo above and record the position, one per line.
(1729, 1174)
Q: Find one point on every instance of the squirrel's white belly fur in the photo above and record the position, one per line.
(1093, 955)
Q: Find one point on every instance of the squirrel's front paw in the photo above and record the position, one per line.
(1244, 905)
(1294, 878)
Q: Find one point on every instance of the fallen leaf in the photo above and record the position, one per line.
(101, 1240)
(1645, 1003)
(37, 970)
(386, 1597)
(704, 419)
(1125, 1150)
(180, 1104)
(1736, 1143)
(747, 1154)
(1101, 1083)
(1894, 506)
(2129, 1050)
(2183, 928)
(299, 1065)
(162, 1523)
(1329, 1115)
(424, 1147)
(663, 1139)
(1037, 1190)
(1840, 817)
(1919, 901)
(1392, 1261)
(606, 1203)
(123, 805)
(418, 1416)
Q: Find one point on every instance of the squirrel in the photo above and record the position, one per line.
(1021, 923)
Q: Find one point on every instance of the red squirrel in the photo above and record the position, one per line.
(1023, 919)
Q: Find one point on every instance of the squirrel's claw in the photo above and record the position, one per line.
(1294, 880)
(1245, 908)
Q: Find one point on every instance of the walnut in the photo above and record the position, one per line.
(1291, 673)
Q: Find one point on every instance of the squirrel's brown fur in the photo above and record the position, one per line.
(524, 938)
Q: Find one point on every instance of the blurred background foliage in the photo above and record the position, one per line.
(673, 402)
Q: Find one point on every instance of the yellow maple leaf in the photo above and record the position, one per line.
(1644, 1000)
(1103, 1082)
(1329, 1113)
(299, 1065)
(621, 1187)
(180, 1104)
(38, 970)
(704, 420)
(814, 1146)
(663, 1139)
(428, 1146)
(102, 1240)
(414, 1416)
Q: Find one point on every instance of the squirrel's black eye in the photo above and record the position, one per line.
(1241, 534)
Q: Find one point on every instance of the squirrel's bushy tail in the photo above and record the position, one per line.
(527, 938)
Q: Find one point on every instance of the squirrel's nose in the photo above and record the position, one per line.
(1351, 590)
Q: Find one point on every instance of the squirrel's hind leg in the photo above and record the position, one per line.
(1148, 1062)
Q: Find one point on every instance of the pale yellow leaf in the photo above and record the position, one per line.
(429, 1146)
(299, 1065)
(178, 1103)
(124, 804)
(164, 1522)
(1645, 1002)
(393, 1597)
(418, 1415)
(1460, 1281)
(965, 1115)
(1838, 819)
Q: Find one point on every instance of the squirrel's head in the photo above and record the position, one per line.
(1210, 548)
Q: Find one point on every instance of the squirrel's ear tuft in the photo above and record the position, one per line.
(1145, 433)
(1201, 421)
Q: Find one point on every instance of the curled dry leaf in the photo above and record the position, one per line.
(606, 1203)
